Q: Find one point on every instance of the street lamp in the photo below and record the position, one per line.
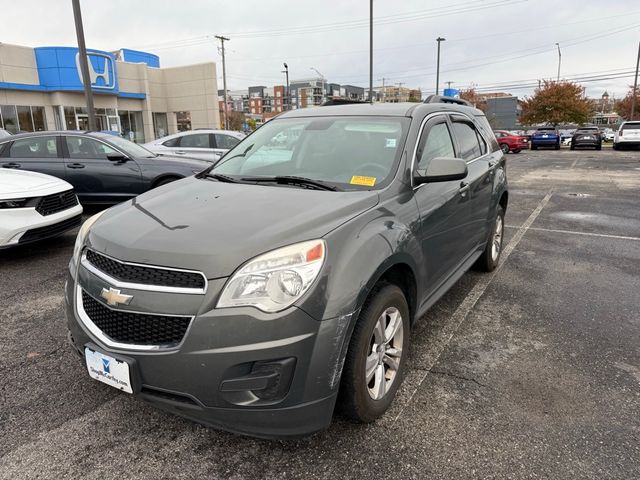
(286, 94)
(439, 40)
(323, 81)
(559, 60)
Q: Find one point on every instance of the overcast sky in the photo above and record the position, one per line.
(489, 43)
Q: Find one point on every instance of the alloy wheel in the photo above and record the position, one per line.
(385, 353)
(497, 239)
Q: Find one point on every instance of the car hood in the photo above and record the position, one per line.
(29, 184)
(215, 227)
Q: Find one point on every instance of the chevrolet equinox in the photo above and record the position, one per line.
(283, 281)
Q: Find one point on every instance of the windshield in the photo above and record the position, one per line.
(130, 148)
(351, 152)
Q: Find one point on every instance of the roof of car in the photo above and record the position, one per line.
(57, 132)
(378, 109)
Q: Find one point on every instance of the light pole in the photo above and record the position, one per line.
(635, 86)
(323, 80)
(286, 93)
(559, 61)
(371, 51)
(439, 40)
(84, 66)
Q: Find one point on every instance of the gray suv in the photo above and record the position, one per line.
(284, 280)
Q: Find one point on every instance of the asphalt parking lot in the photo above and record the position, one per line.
(532, 371)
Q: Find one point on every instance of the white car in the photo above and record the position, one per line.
(204, 144)
(35, 206)
(628, 135)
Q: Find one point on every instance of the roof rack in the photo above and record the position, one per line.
(443, 99)
(341, 101)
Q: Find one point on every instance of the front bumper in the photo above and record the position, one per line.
(223, 347)
(17, 222)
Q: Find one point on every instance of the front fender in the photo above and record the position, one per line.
(360, 251)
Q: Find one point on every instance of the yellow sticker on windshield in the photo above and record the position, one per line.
(360, 180)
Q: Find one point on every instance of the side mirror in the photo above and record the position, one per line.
(442, 169)
(117, 157)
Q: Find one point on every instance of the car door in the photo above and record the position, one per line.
(196, 145)
(481, 164)
(38, 154)
(224, 143)
(96, 178)
(443, 206)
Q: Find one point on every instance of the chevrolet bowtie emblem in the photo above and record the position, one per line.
(114, 297)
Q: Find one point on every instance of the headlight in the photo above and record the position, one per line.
(14, 203)
(273, 281)
(82, 236)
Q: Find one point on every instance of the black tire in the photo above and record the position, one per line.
(614, 146)
(534, 147)
(572, 147)
(599, 146)
(516, 151)
(355, 401)
(557, 146)
(504, 147)
(487, 261)
(164, 181)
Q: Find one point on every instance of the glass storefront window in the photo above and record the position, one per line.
(184, 121)
(39, 120)
(56, 117)
(131, 125)
(160, 127)
(9, 118)
(70, 118)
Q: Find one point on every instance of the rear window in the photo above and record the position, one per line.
(547, 129)
(631, 126)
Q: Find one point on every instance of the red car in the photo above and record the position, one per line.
(510, 142)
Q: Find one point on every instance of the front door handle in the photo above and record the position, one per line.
(464, 188)
(492, 163)
(76, 165)
(180, 152)
(11, 165)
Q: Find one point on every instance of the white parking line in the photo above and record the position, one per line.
(573, 232)
(471, 299)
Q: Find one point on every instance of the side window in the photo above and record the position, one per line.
(85, 148)
(196, 140)
(226, 141)
(499, 134)
(172, 142)
(437, 144)
(37, 147)
(467, 140)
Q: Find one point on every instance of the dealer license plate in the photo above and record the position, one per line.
(108, 370)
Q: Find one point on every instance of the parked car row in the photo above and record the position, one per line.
(628, 135)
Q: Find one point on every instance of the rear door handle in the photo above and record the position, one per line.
(180, 152)
(11, 165)
(464, 188)
(76, 165)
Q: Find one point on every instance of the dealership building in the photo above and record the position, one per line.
(41, 89)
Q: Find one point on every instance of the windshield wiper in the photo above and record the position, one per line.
(294, 180)
(217, 176)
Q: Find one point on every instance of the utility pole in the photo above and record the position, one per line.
(286, 93)
(224, 81)
(84, 66)
(635, 86)
(439, 40)
(559, 61)
(371, 51)
(448, 84)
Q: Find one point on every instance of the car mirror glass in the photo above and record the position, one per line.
(117, 157)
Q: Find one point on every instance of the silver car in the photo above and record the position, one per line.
(204, 144)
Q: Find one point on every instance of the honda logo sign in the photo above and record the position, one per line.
(102, 72)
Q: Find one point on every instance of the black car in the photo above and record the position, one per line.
(102, 168)
(587, 137)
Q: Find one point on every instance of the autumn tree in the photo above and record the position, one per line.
(471, 96)
(556, 103)
(623, 106)
(236, 119)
